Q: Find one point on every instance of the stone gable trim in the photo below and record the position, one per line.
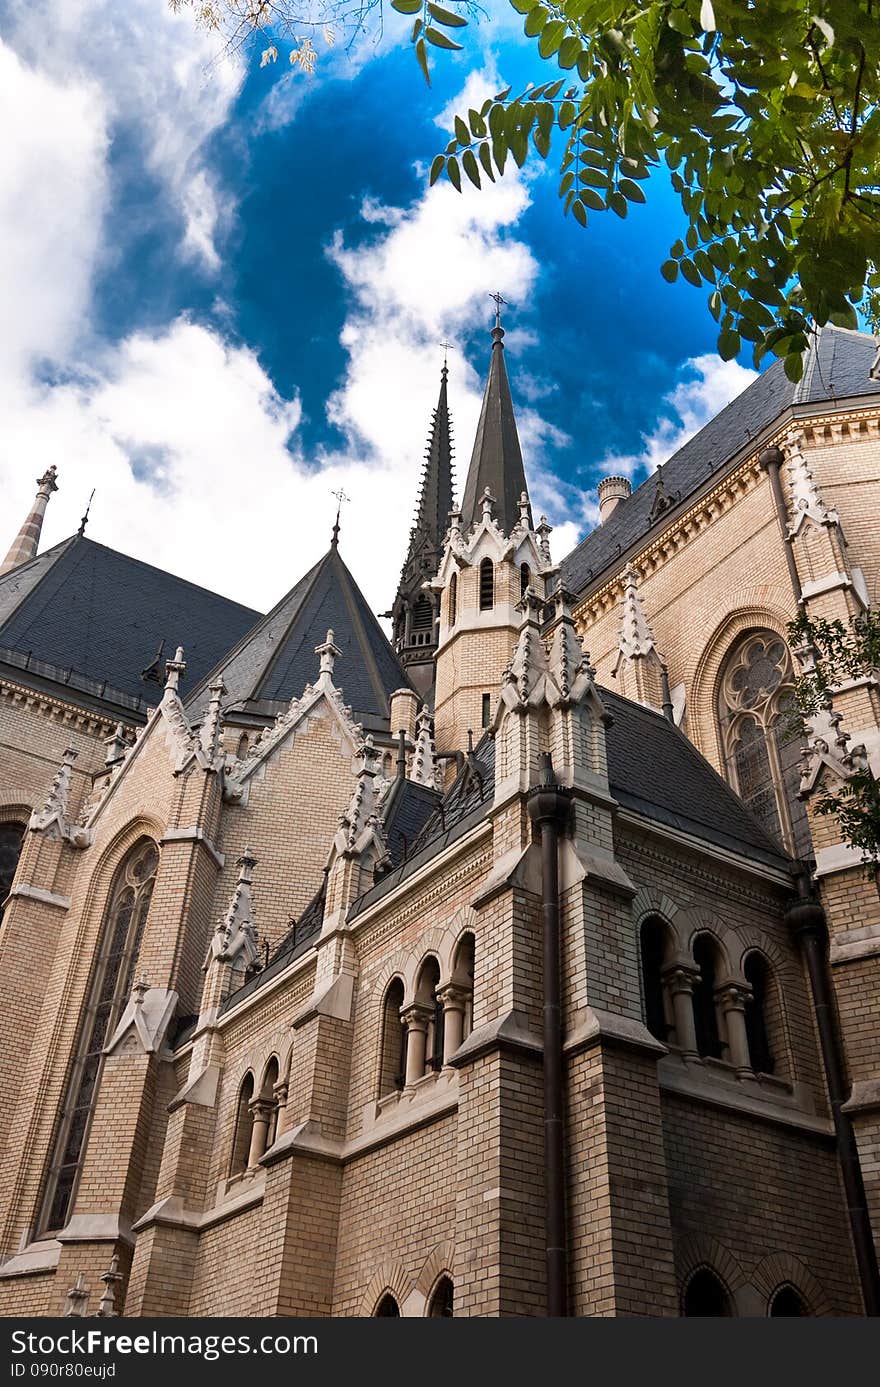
(298, 965)
(698, 845)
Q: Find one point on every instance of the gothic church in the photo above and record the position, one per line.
(503, 969)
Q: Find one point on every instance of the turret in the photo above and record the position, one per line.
(27, 541)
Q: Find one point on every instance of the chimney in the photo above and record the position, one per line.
(612, 490)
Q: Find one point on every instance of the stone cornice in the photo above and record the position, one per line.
(733, 861)
(56, 709)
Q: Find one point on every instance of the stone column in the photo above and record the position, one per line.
(261, 1113)
(680, 982)
(454, 999)
(416, 1019)
(732, 1000)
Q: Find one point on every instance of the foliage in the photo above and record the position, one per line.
(765, 114)
(838, 652)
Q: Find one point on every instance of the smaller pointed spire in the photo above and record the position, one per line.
(77, 1297)
(805, 499)
(212, 725)
(111, 1278)
(496, 461)
(363, 806)
(524, 679)
(425, 767)
(56, 805)
(571, 673)
(116, 747)
(328, 653)
(174, 671)
(26, 543)
(636, 637)
(235, 936)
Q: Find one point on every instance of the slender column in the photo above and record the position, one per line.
(454, 999)
(771, 460)
(280, 1093)
(416, 1019)
(261, 1112)
(732, 1000)
(680, 982)
(27, 541)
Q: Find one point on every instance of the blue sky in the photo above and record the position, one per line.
(228, 285)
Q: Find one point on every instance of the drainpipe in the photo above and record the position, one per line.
(549, 808)
(666, 705)
(771, 460)
(806, 920)
(401, 754)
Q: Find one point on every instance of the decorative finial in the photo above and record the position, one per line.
(85, 519)
(77, 1296)
(329, 653)
(498, 330)
(174, 670)
(107, 1304)
(487, 502)
(139, 992)
(340, 497)
(48, 479)
(447, 348)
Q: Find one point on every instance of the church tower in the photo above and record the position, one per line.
(492, 555)
(415, 610)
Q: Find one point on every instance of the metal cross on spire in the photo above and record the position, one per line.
(447, 348)
(85, 520)
(341, 497)
(498, 302)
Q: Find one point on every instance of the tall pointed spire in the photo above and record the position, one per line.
(414, 610)
(26, 542)
(496, 461)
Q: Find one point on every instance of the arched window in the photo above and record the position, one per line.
(422, 625)
(243, 1130)
(705, 1008)
(787, 1303)
(654, 948)
(441, 1304)
(109, 991)
(463, 978)
(525, 577)
(453, 599)
(11, 839)
(426, 994)
(705, 1297)
(487, 585)
(761, 754)
(387, 1308)
(242, 749)
(393, 1059)
(757, 975)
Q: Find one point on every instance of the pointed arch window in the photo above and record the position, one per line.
(705, 1296)
(453, 599)
(705, 1006)
(11, 840)
(442, 1302)
(525, 578)
(487, 585)
(654, 948)
(392, 1069)
(387, 1309)
(109, 991)
(760, 753)
(757, 974)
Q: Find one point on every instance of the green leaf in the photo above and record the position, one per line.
(407, 6)
(690, 273)
(437, 166)
(535, 20)
(454, 174)
(422, 55)
(523, 6)
(567, 113)
(439, 39)
(541, 140)
(477, 124)
(579, 212)
(590, 198)
(469, 164)
(452, 21)
(631, 191)
(570, 50)
(728, 345)
(462, 134)
(551, 37)
(794, 366)
(485, 154)
(669, 268)
(617, 203)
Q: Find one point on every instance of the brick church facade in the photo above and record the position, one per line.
(501, 969)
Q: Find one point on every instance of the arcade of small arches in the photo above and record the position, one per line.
(423, 1026)
(713, 999)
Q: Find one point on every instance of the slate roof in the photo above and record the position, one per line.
(654, 770)
(89, 616)
(836, 370)
(273, 663)
(496, 461)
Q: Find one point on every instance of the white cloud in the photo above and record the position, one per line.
(195, 456)
(708, 386)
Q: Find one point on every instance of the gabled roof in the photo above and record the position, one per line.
(496, 461)
(275, 661)
(90, 617)
(836, 369)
